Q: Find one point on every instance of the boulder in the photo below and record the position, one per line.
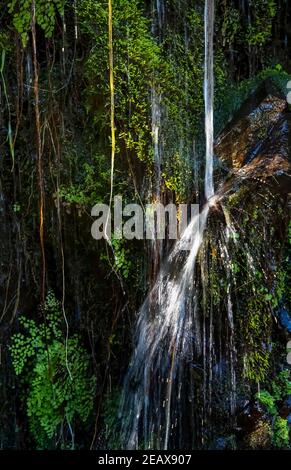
(256, 143)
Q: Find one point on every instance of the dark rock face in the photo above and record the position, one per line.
(258, 144)
(255, 148)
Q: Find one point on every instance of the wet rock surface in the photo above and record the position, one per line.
(257, 142)
(254, 150)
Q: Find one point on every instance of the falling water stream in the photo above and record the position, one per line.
(208, 96)
(164, 324)
(156, 126)
(158, 14)
(168, 330)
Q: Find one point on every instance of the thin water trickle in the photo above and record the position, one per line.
(231, 349)
(28, 72)
(208, 95)
(158, 14)
(157, 7)
(156, 127)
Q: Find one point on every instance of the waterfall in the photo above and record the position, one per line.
(165, 323)
(169, 333)
(208, 95)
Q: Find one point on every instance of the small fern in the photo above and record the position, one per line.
(55, 401)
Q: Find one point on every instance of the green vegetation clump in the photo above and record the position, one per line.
(279, 390)
(58, 387)
(45, 13)
(280, 436)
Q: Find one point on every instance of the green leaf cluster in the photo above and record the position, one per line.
(45, 12)
(279, 389)
(55, 400)
(58, 386)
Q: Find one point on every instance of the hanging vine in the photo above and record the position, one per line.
(38, 151)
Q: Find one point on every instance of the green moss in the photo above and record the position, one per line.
(259, 288)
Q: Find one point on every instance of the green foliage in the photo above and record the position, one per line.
(26, 346)
(231, 24)
(147, 72)
(136, 56)
(280, 283)
(4, 41)
(280, 389)
(253, 29)
(260, 29)
(256, 364)
(16, 207)
(122, 261)
(55, 399)
(45, 12)
(266, 399)
(177, 175)
(281, 386)
(93, 177)
(280, 436)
